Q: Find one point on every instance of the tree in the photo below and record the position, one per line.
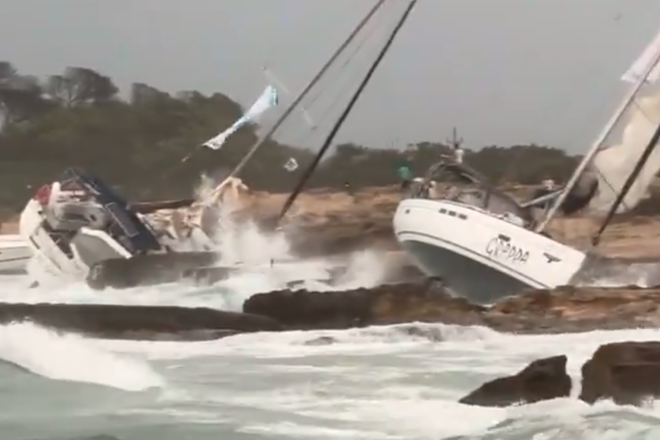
(80, 86)
(142, 94)
(21, 96)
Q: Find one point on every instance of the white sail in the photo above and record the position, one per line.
(637, 69)
(622, 149)
(267, 100)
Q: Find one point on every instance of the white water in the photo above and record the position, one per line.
(375, 383)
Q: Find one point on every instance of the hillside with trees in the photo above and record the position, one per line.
(79, 118)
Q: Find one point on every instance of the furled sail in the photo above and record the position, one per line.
(631, 135)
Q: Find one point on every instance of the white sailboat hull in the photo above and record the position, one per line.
(49, 264)
(14, 254)
(478, 255)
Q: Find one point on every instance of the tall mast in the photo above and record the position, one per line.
(599, 142)
(347, 111)
(307, 89)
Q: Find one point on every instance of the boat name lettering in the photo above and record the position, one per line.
(500, 249)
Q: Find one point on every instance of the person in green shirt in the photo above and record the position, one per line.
(405, 175)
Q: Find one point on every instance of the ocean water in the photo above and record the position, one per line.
(373, 383)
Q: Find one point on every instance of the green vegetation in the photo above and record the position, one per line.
(77, 118)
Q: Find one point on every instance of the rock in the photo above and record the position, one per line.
(303, 309)
(387, 304)
(571, 309)
(564, 309)
(542, 379)
(137, 322)
(321, 340)
(626, 372)
(433, 334)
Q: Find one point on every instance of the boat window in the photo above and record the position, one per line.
(122, 219)
(452, 213)
(442, 211)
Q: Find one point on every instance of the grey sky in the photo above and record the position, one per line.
(503, 71)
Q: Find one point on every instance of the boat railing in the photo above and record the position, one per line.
(457, 183)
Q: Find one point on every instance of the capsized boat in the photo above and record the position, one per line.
(77, 224)
(484, 245)
(14, 254)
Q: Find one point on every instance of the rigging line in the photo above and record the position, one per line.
(343, 89)
(306, 90)
(328, 141)
(342, 69)
(652, 144)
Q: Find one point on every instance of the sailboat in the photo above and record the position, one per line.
(97, 236)
(483, 244)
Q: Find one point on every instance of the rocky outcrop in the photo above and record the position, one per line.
(627, 373)
(574, 309)
(566, 309)
(386, 304)
(543, 379)
(137, 322)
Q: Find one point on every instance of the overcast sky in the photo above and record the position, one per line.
(503, 71)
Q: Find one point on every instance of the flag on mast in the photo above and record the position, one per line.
(268, 99)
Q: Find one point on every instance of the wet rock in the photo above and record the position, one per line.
(321, 340)
(626, 372)
(137, 322)
(303, 309)
(387, 304)
(543, 379)
(433, 334)
(562, 310)
(574, 309)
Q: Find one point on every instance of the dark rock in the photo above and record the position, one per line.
(433, 334)
(561, 310)
(626, 372)
(542, 379)
(574, 309)
(137, 322)
(303, 309)
(387, 304)
(321, 340)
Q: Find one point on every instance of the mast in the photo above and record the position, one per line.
(599, 142)
(307, 89)
(455, 142)
(347, 111)
(595, 240)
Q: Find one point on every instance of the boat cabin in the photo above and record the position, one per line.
(457, 182)
(80, 210)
